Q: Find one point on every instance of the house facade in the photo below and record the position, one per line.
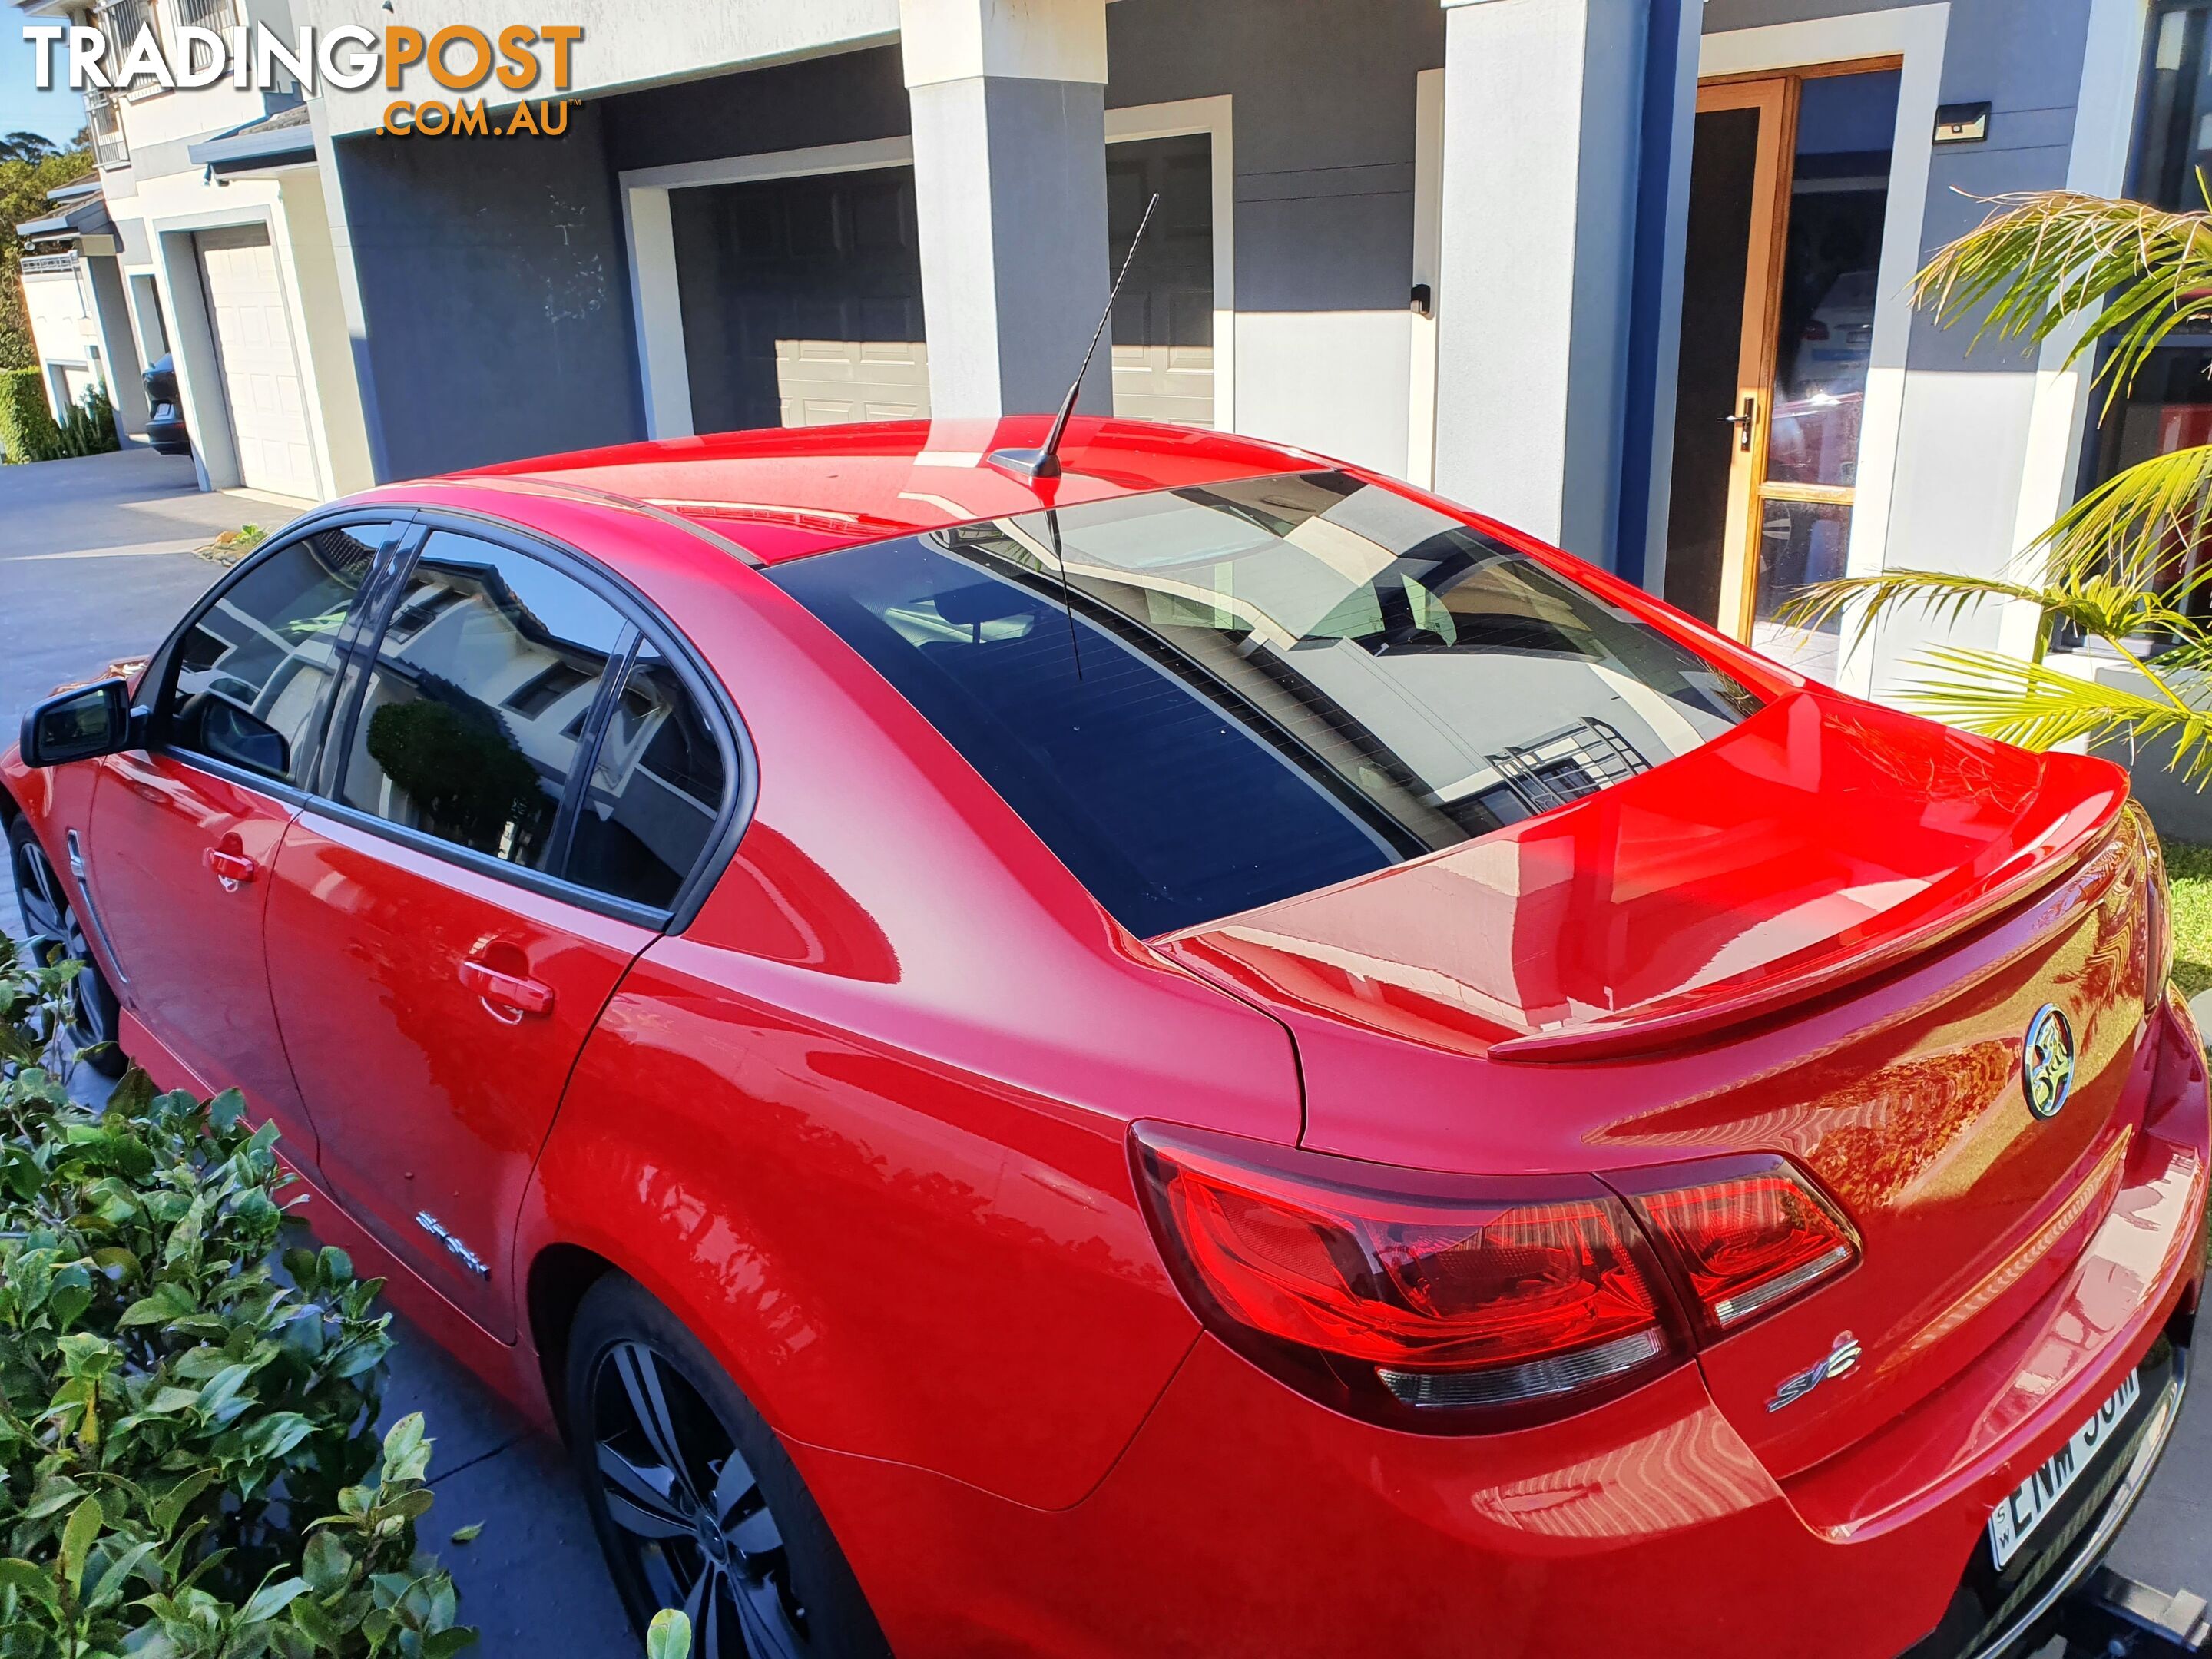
(74, 297)
(1631, 274)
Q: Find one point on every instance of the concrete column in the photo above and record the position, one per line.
(1009, 103)
(118, 347)
(1543, 104)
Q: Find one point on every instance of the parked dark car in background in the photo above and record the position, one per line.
(165, 418)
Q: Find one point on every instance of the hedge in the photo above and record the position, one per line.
(187, 1467)
(27, 432)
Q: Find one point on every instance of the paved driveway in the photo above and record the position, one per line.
(96, 563)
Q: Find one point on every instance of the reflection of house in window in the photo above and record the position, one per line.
(268, 645)
(556, 683)
(408, 621)
(655, 791)
(465, 638)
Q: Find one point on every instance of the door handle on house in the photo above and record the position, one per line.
(1743, 422)
(232, 870)
(501, 991)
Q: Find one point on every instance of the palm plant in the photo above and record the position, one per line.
(2123, 564)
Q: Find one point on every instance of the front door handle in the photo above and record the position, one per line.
(1743, 422)
(507, 991)
(232, 870)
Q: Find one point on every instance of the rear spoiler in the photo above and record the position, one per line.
(2052, 854)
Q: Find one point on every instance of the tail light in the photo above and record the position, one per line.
(1420, 1301)
(1752, 1235)
(1453, 1304)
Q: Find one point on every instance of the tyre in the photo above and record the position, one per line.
(696, 1503)
(51, 921)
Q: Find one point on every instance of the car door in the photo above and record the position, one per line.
(434, 973)
(184, 833)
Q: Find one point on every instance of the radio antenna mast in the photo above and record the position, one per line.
(1045, 463)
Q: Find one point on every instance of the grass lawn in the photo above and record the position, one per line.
(2191, 868)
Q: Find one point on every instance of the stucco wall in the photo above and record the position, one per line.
(495, 293)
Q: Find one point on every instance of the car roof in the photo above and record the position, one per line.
(781, 493)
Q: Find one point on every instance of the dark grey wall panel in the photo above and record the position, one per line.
(1324, 137)
(494, 288)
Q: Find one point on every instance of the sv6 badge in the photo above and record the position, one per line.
(1841, 1360)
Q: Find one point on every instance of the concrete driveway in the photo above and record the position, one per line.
(95, 563)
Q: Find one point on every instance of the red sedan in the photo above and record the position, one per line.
(1212, 1054)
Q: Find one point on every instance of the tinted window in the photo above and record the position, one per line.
(655, 791)
(1256, 689)
(251, 670)
(478, 700)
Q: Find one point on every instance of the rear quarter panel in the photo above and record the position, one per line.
(861, 1126)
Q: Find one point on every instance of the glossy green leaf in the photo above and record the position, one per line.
(83, 1526)
(668, 1636)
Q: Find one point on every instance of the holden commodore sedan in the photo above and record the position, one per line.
(1207, 1054)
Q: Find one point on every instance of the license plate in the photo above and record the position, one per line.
(2023, 1512)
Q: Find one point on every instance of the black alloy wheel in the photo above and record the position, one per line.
(695, 1504)
(50, 923)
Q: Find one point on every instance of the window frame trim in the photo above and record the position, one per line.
(642, 620)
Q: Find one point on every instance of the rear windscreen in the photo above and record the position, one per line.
(1204, 699)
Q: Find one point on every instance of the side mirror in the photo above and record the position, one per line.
(231, 733)
(93, 720)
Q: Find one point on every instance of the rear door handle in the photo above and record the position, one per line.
(524, 996)
(232, 870)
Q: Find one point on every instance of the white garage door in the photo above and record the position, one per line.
(260, 375)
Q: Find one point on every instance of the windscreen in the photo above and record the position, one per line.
(1204, 699)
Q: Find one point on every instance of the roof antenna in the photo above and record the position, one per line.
(1045, 463)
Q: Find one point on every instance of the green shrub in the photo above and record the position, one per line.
(88, 428)
(27, 432)
(188, 1468)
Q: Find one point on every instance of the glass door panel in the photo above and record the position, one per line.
(1735, 173)
(1822, 349)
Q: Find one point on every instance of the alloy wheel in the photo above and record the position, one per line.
(50, 922)
(691, 1513)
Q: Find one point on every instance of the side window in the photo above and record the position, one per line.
(476, 705)
(252, 669)
(654, 793)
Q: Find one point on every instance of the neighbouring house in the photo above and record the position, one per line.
(224, 262)
(1629, 273)
(73, 294)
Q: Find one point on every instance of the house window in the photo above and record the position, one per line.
(217, 14)
(2168, 405)
(122, 21)
(2174, 140)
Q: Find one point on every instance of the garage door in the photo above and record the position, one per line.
(801, 300)
(1164, 320)
(260, 373)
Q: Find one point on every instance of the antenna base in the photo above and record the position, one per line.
(1027, 463)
